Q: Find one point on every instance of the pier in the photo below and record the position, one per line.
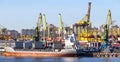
(106, 55)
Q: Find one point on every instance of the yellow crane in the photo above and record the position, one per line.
(61, 25)
(37, 29)
(44, 25)
(109, 19)
(83, 27)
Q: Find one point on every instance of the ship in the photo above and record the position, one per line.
(68, 51)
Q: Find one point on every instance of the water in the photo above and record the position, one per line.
(62, 59)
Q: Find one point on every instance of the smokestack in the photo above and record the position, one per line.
(89, 8)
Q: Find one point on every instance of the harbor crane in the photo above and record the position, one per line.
(105, 45)
(106, 27)
(37, 29)
(62, 27)
(44, 26)
(82, 27)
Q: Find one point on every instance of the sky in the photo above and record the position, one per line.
(23, 14)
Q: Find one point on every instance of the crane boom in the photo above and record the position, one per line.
(44, 25)
(37, 29)
(109, 19)
(89, 8)
(61, 23)
(39, 21)
(44, 22)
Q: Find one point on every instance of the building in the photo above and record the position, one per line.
(11, 34)
(14, 34)
(27, 34)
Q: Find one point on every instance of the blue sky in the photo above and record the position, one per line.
(19, 14)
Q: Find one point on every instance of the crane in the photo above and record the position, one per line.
(89, 8)
(37, 29)
(61, 29)
(44, 25)
(106, 27)
(61, 25)
(106, 30)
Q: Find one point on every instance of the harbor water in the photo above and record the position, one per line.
(62, 59)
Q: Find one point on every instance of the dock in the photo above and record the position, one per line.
(100, 55)
(106, 55)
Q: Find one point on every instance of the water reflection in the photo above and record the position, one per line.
(106, 60)
(58, 59)
(70, 59)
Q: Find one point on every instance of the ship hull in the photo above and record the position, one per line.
(39, 54)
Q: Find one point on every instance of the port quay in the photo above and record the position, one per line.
(48, 40)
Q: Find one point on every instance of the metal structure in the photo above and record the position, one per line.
(89, 8)
(61, 26)
(106, 27)
(37, 29)
(105, 45)
(44, 26)
(83, 26)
